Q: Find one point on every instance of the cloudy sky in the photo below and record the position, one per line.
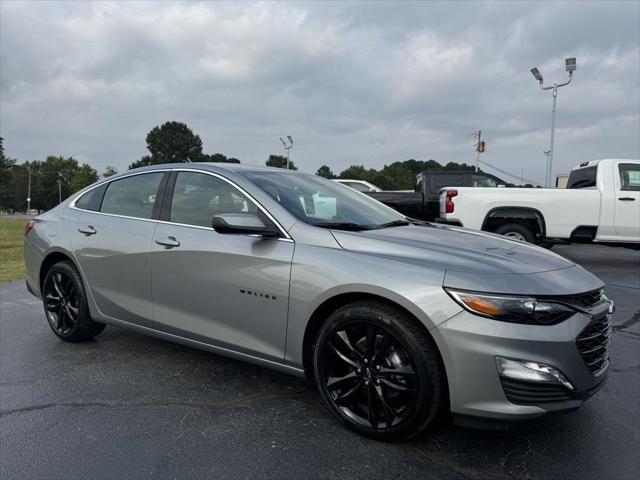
(353, 83)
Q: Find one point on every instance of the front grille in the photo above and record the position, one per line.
(580, 300)
(533, 393)
(593, 344)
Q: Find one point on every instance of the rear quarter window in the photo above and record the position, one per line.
(92, 199)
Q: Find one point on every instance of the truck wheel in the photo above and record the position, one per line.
(516, 231)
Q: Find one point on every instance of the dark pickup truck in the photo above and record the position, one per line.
(424, 202)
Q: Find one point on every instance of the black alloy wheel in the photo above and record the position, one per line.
(62, 303)
(378, 373)
(65, 304)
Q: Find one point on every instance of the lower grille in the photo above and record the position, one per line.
(593, 344)
(533, 393)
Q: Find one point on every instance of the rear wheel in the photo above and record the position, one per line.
(378, 371)
(65, 304)
(516, 232)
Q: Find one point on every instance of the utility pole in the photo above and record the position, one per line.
(287, 147)
(480, 147)
(29, 192)
(570, 66)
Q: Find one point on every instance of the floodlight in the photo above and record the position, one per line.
(537, 75)
(570, 64)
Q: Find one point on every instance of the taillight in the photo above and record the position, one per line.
(449, 205)
(29, 226)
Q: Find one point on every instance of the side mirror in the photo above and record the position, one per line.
(242, 223)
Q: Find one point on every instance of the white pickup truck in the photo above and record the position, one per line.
(600, 204)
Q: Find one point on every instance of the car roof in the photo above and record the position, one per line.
(211, 166)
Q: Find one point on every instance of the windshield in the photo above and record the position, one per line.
(324, 203)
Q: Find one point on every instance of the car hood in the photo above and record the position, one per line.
(454, 249)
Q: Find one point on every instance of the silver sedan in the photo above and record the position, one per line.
(397, 321)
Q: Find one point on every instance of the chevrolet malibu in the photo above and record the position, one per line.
(397, 321)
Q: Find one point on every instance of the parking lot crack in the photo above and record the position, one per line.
(148, 404)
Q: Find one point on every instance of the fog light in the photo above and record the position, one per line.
(531, 372)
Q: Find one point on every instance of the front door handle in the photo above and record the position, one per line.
(88, 230)
(168, 242)
(626, 199)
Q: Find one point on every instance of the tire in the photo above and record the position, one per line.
(516, 231)
(65, 304)
(378, 371)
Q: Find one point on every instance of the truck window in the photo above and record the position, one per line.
(441, 181)
(629, 176)
(482, 181)
(583, 177)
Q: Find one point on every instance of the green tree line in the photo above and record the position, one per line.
(168, 143)
(400, 175)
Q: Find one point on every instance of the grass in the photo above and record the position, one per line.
(11, 251)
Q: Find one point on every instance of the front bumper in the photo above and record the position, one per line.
(470, 344)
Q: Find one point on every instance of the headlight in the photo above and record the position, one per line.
(514, 309)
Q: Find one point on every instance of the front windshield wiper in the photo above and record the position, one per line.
(343, 226)
(395, 223)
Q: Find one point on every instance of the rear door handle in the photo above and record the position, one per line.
(626, 199)
(168, 242)
(88, 230)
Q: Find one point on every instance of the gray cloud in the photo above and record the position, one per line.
(354, 83)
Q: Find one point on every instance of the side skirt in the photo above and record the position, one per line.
(205, 346)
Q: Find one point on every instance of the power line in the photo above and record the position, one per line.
(504, 172)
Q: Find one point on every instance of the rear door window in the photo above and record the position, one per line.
(132, 196)
(629, 176)
(482, 181)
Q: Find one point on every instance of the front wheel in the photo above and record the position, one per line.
(379, 371)
(65, 304)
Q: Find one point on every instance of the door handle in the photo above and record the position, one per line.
(626, 199)
(89, 230)
(168, 242)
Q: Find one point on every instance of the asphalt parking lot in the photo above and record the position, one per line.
(130, 406)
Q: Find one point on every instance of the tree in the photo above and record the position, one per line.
(109, 171)
(7, 167)
(219, 157)
(280, 162)
(170, 143)
(325, 171)
(44, 180)
(143, 162)
(83, 176)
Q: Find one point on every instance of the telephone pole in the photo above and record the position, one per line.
(480, 147)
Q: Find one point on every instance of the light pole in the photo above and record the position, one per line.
(287, 147)
(570, 66)
(547, 153)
